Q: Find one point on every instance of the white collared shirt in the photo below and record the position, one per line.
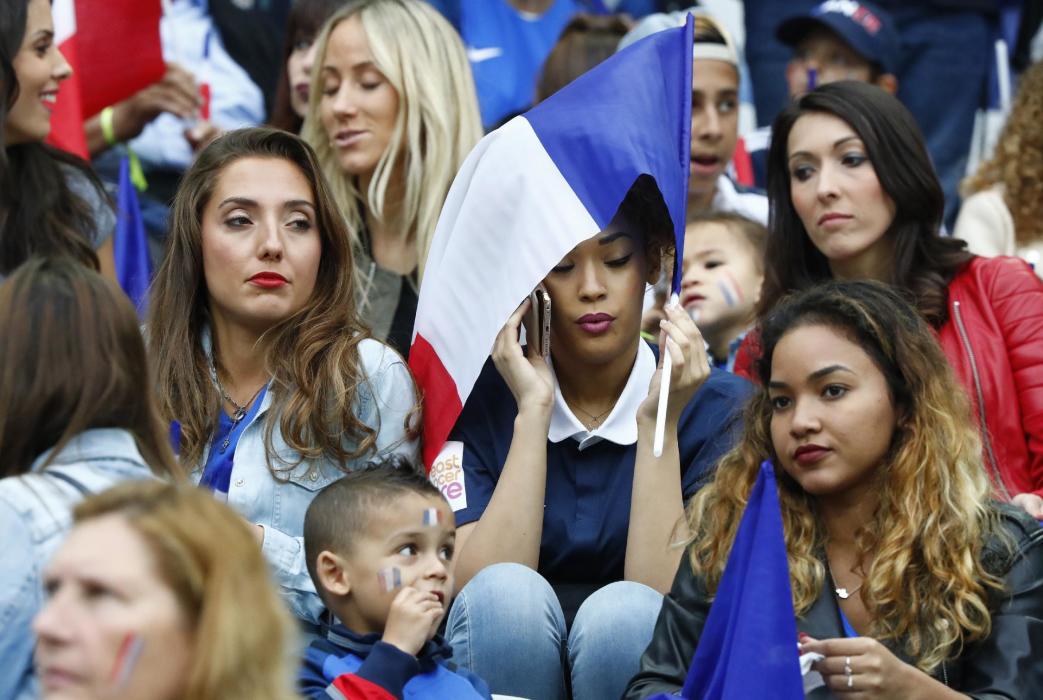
(620, 427)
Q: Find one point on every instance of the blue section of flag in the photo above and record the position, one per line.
(130, 247)
(748, 648)
(631, 115)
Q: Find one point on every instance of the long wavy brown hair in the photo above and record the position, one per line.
(926, 588)
(312, 355)
(1017, 163)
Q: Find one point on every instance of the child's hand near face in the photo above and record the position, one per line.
(413, 619)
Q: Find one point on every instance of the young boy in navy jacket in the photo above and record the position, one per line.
(379, 547)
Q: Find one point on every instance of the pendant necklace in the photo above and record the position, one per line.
(240, 410)
(842, 592)
(596, 420)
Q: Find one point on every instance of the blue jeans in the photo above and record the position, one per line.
(506, 625)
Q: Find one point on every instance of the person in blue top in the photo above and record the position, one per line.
(567, 522)
(75, 419)
(905, 575)
(261, 359)
(380, 546)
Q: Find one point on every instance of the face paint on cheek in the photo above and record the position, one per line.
(730, 290)
(126, 660)
(432, 517)
(390, 578)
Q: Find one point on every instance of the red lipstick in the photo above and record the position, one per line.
(268, 280)
(595, 324)
(810, 454)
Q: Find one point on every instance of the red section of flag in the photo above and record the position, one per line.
(743, 164)
(114, 49)
(67, 118)
(441, 399)
(118, 48)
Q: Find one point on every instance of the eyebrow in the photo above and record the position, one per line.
(43, 34)
(613, 237)
(836, 144)
(247, 202)
(708, 252)
(814, 376)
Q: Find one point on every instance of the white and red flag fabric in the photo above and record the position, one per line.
(114, 49)
(530, 192)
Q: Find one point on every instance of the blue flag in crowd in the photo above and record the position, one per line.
(748, 648)
(630, 115)
(130, 248)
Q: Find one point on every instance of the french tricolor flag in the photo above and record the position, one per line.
(530, 192)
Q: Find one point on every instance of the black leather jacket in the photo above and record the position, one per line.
(1007, 665)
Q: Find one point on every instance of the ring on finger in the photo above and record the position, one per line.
(847, 672)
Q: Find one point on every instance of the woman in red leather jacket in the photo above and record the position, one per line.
(854, 196)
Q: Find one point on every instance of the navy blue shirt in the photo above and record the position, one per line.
(587, 501)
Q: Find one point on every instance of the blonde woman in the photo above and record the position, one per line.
(905, 576)
(160, 593)
(1003, 210)
(392, 115)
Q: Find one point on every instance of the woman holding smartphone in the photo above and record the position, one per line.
(565, 506)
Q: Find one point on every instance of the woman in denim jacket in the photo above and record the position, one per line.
(263, 365)
(75, 418)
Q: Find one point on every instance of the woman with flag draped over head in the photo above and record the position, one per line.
(392, 115)
(160, 593)
(904, 575)
(51, 202)
(564, 540)
(76, 417)
(261, 360)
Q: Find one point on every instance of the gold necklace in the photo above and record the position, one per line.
(595, 419)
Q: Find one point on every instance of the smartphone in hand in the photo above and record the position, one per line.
(537, 322)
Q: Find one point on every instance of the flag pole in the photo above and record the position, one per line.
(664, 394)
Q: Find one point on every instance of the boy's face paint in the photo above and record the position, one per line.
(400, 546)
(823, 57)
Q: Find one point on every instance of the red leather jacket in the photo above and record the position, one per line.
(994, 342)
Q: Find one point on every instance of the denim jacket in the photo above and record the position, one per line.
(277, 501)
(35, 514)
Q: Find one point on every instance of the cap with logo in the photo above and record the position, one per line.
(864, 27)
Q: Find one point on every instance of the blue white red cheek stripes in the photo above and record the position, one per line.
(126, 659)
(390, 578)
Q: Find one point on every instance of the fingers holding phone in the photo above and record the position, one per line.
(527, 374)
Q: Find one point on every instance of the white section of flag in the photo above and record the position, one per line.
(64, 12)
(491, 247)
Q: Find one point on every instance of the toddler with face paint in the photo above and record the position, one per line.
(723, 270)
(379, 547)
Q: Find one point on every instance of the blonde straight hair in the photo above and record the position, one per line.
(438, 122)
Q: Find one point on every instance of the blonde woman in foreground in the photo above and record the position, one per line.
(160, 593)
(392, 115)
(905, 575)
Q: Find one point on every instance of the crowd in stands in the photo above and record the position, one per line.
(223, 494)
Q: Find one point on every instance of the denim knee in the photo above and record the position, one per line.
(506, 625)
(611, 631)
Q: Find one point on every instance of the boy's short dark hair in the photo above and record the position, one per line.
(756, 235)
(340, 512)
